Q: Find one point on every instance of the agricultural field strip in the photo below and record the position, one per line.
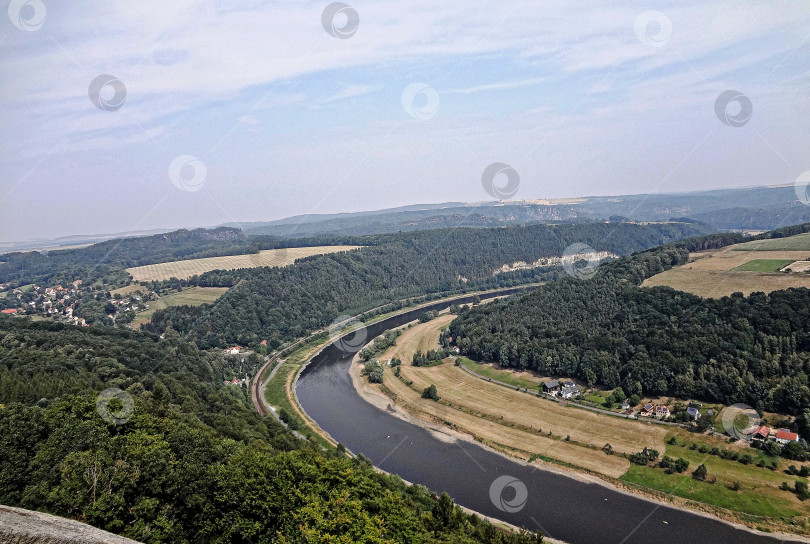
(712, 274)
(190, 267)
(474, 395)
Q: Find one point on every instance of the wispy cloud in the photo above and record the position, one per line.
(353, 91)
(500, 86)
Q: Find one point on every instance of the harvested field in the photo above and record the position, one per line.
(512, 419)
(719, 273)
(271, 257)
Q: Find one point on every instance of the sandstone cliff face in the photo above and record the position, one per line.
(18, 526)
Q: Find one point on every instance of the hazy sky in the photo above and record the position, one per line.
(289, 110)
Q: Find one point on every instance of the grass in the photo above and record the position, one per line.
(187, 268)
(717, 494)
(718, 273)
(504, 376)
(764, 265)
(799, 242)
(193, 296)
(129, 289)
(759, 493)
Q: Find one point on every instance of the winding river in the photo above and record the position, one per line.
(563, 507)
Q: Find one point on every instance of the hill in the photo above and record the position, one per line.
(282, 304)
(651, 341)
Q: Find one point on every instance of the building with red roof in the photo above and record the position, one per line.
(762, 432)
(783, 436)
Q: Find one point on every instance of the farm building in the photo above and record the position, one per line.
(569, 390)
(551, 386)
(783, 436)
(762, 432)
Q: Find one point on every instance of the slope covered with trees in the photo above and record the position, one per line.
(280, 304)
(193, 462)
(609, 331)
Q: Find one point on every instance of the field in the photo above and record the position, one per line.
(799, 242)
(271, 257)
(193, 296)
(127, 290)
(745, 268)
(758, 494)
(513, 421)
(764, 265)
(528, 427)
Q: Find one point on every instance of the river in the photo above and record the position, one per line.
(563, 507)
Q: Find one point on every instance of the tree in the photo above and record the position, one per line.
(430, 393)
(700, 473)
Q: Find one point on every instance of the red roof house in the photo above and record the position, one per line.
(762, 432)
(783, 436)
(10, 311)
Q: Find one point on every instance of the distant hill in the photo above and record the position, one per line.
(745, 209)
(756, 208)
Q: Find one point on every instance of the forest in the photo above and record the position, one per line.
(281, 304)
(193, 462)
(610, 332)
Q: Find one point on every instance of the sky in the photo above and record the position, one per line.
(124, 115)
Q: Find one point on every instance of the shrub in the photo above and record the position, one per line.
(431, 393)
(700, 473)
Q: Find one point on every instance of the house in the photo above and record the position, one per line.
(694, 413)
(10, 311)
(569, 390)
(233, 351)
(762, 432)
(661, 411)
(551, 386)
(783, 436)
(646, 410)
(263, 343)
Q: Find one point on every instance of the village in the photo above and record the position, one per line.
(75, 304)
(755, 435)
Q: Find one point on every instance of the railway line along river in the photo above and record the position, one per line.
(563, 507)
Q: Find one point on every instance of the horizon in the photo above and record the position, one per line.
(156, 230)
(260, 113)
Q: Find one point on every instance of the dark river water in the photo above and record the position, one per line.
(561, 507)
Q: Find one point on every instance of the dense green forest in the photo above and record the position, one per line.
(281, 304)
(611, 332)
(193, 462)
